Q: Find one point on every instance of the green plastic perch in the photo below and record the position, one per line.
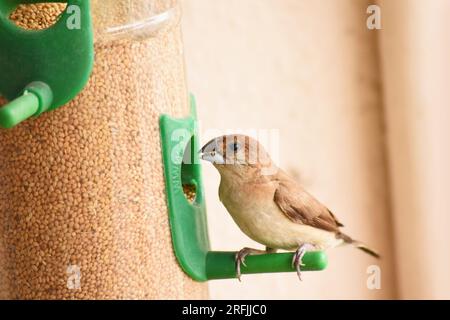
(188, 224)
(221, 265)
(36, 98)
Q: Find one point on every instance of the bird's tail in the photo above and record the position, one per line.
(357, 244)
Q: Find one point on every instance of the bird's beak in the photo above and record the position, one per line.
(213, 157)
(208, 153)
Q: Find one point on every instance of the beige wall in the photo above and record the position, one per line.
(308, 69)
(415, 51)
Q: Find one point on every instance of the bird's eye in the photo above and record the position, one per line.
(235, 146)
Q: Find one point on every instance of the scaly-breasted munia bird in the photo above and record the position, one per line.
(268, 205)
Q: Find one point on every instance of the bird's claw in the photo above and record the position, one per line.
(240, 260)
(297, 262)
(297, 259)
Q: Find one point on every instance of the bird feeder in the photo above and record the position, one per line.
(98, 140)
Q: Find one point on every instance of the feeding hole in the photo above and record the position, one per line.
(37, 16)
(190, 192)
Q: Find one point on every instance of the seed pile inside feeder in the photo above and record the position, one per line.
(37, 16)
(83, 210)
(189, 191)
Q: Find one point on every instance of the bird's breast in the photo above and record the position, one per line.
(254, 210)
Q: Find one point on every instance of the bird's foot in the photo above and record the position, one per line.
(298, 256)
(240, 259)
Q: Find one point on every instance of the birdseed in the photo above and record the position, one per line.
(190, 192)
(37, 16)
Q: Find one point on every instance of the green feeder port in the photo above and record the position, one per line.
(188, 220)
(43, 77)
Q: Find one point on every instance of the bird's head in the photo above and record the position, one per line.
(238, 154)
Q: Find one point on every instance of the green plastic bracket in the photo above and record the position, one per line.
(41, 70)
(188, 223)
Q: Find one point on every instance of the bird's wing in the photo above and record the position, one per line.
(301, 207)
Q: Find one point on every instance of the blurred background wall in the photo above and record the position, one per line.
(361, 117)
(415, 51)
